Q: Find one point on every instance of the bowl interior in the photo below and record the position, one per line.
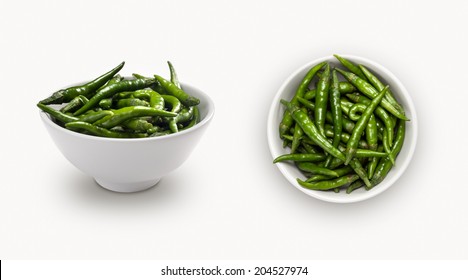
(291, 173)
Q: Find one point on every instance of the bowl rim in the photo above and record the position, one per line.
(272, 131)
(209, 115)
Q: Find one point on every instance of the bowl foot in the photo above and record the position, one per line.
(127, 187)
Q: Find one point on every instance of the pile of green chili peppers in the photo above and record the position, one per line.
(116, 107)
(342, 134)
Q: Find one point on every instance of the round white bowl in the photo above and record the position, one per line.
(131, 165)
(287, 91)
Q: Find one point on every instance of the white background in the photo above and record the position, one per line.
(228, 201)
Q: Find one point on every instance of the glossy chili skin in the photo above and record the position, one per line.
(154, 98)
(195, 119)
(354, 186)
(298, 132)
(311, 131)
(127, 102)
(335, 106)
(137, 125)
(360, 171)
(66, 95)
(74, 104)
(300, 157)
(361, 125)
(109, 91)
(379, 112)
(287, 120)
(341, 172)
(62, 117)
(344, 87)
(387, 147)
(373, 80)
(100, 131)
(174, 78)
(371, 133)
(127, 113)
(347, 124)
(106, 103)
(329, 184)
(344, 137)
(95, 116)
(172, 89)
(372, 165)
(316, 169)
(173, 101)
(385, 164)
(371, 92)
(321, 99)
(184, 115)
(351, 66)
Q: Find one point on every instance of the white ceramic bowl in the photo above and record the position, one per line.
(131, 165)
(291, 173)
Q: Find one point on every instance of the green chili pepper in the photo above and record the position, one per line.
(74, 104)
(62, 117)
(184, 115)
(310, 130)
(345, 137)
(321, 99)
(337, 117)
(300, 157)
(127, 102)
(99, 131)
(347, 124)
(66, 95)
(315, 169)
(351, 66)
(156, 100)
(373, 163)
(106, 104)
(287, 120)
(386, 164)
(310, 94)
(94, 116)
(172, 89)
(371, 92)
(341, 172)
(360, 171)
(330, 184)
(127, 113)
(356, 110)
(379, 112)
(345, 106)
(195, 119)
(138, 125)
(387, 147)
(174, 78)
(373, 80)
(309, 148)
(296, 138)
(364, 153)
(109, 91)
(346, 87)
(175, 104)
(117, 78)
(354, 186)
(361, 125)
(371, 133)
